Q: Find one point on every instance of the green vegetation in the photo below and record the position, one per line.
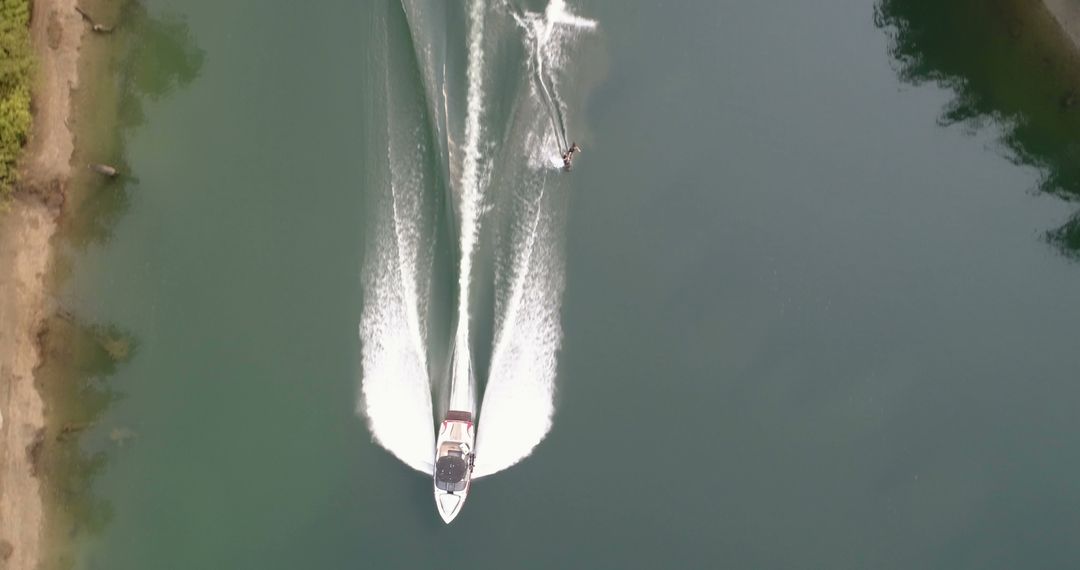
(15, 76)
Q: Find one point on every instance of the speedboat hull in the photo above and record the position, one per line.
(454, 455)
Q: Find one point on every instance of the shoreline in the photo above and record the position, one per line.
(56, 35)
(1067, 15)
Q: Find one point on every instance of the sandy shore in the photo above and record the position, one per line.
(24, 244)
(1067, 14)
(25, 230)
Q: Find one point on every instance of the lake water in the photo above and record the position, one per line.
(806, 300)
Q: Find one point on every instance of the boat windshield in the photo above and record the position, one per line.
(450, 471)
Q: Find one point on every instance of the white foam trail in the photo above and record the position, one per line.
(518, 404)
(395, 390)
(536, 31)
(545, 37)
(519, 398)
(556, 13)
(542, 151)
(461, 392)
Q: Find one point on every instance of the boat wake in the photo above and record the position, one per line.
(396, 392)
(546, 36)
(501, 167)
(462, 380)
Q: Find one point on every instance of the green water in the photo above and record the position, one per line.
(815, 312)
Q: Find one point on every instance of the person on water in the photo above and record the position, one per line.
(568, 156)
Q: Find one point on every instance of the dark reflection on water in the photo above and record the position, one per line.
(1008, 64)
(1067, 237)
(77, 361)
(147, 58)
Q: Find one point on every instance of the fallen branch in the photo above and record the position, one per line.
(94, 25)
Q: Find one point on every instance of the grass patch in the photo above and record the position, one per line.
(15, 77)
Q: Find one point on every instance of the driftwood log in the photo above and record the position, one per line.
(94, 25)
(105, 170)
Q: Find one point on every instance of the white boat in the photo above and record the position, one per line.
(454, 457)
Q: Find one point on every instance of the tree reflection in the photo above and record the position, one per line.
(77, 362)
(1007, 63)
(146, 58)
(1067, 237)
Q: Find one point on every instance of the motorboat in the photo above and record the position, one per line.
(454, 457)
